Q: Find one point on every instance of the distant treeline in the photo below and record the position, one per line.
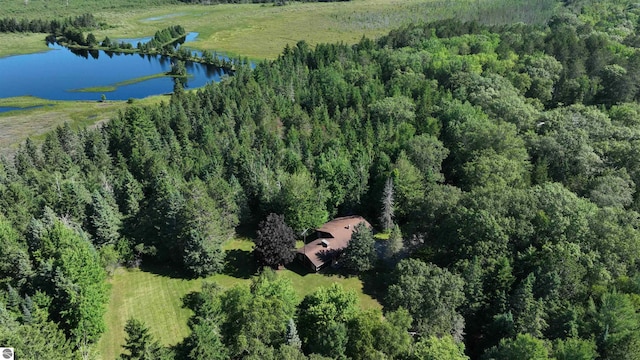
(164, 42)
(215, 2)
(74, 36)
(10, 24)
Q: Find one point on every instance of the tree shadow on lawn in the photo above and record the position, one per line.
(166, 270)
(374, 283)
(240, 264)
(246, 231)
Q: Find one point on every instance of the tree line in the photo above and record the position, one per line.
(276, 2)
(84, 21)
(501, 160)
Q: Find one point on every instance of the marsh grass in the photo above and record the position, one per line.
(21, 43)
(34, 9)
(42, 116)
(261, 31)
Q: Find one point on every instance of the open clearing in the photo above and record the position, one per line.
(155, 296)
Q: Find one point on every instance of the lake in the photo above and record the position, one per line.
(61, 74)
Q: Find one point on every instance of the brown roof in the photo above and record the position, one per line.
(336, 233)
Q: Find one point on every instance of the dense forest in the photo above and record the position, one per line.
(503, 160)
(85, 21)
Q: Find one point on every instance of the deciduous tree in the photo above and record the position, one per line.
(439, 348)
(275, 242)
(329, 309)
(524, 347)
(431, 294)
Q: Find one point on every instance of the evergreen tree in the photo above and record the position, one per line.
(292, 335)
(275, 242)
(163, 217)
(72, 275)
(386, 215)
(205, 342)
(528, 312)
(13, 299)
(91, 40)
(104, 219)
(202, 233)
(16, 269)
(360, 253)
(395, 244)
(140, 344)
(106, 42)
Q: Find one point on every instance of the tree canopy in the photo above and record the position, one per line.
(502, 157)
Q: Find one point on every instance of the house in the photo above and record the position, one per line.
(329, 241)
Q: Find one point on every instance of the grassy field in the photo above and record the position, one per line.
(154, 296)
(21, 43)
(41, 116)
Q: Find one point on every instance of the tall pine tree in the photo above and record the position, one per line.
(360, 253)
(386, 215)
(141, 345)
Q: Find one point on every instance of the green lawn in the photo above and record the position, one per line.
(154, 296)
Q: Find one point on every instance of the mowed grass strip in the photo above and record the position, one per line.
(155, 296)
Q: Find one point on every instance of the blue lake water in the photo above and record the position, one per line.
(56, 73)
(13, 108)
(9, 108)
